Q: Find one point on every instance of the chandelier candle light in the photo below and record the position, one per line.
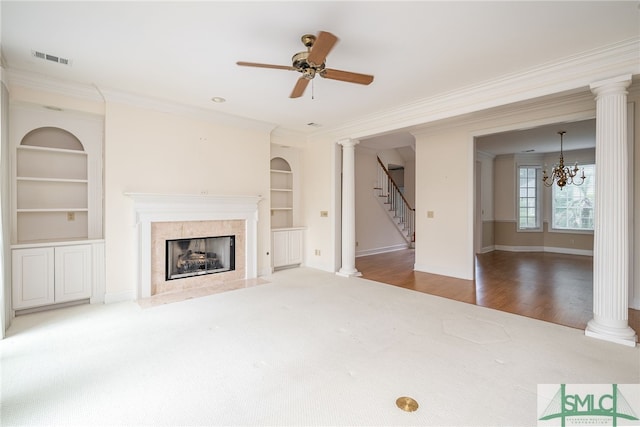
(562, 174)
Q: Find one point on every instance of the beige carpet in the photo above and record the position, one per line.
(308, 348)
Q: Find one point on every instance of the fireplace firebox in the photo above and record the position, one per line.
(199, 256)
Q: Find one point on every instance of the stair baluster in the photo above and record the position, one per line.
(399, 209)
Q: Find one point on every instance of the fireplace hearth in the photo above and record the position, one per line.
(199, 256)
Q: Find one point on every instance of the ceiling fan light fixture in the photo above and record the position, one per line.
(218, 99)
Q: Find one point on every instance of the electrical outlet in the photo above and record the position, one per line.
(71, 216)
(429, 214)
(324, 214)
(317, 252)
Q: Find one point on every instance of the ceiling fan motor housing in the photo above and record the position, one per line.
(301, 64)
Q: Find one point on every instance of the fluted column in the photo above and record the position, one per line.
(611, 254)
(348, 268)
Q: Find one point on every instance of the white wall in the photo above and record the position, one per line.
(390, 157)
(321, 179)
(504, 206)
(410, 183)
(444, 186)
(487, 194)
(153, 152)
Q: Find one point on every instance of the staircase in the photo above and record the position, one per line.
(396, 206)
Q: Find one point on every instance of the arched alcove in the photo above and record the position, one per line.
(52, 137)
(281, 193)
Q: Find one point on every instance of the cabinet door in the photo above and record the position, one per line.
(295, 247)
(72, 272)
(33, 278)
(280, 248)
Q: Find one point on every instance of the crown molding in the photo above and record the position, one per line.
(93, 92)
(288, 137)
(572, 73)
(581, 103)
(48, 84)
(489, 156)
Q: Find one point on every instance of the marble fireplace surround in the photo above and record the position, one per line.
(195, 214)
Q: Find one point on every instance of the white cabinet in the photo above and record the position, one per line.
(32, 271)
(51, 275)
(287, 247)
(72, 273)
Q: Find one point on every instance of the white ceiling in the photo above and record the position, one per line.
(186, 52)
(542, 139)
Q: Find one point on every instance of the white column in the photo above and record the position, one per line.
(611, 255)
(348, 268)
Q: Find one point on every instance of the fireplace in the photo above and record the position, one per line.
(198, 256)
(161, 217)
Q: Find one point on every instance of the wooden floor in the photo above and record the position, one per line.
(556, 288)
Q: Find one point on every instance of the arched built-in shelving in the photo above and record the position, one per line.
(281, 194)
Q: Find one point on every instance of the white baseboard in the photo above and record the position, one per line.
(382, 250)
(568, 251)
(487, 249)
(519, 248)
(265, 272)
(111, 297)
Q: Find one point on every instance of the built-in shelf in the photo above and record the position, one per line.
(57, 249)
(57, 188)
(54, 210)
(22, 178)
(281, 193)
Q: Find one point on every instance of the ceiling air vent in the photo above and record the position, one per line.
(49, 57)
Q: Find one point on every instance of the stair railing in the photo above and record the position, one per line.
(404, 213)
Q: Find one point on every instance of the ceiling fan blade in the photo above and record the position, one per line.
(321, 47)
(255, 64)
(299, 88)
(347, 76)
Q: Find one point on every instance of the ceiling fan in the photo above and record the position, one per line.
(312, 62)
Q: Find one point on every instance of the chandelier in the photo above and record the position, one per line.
(562, 174)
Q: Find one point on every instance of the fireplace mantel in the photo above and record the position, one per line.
(154, 207)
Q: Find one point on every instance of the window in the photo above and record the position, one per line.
(528, 198)
(573, 205)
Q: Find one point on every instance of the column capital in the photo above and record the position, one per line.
(614, 84)
(348, 142)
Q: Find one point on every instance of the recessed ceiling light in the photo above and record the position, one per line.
(218, 99)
